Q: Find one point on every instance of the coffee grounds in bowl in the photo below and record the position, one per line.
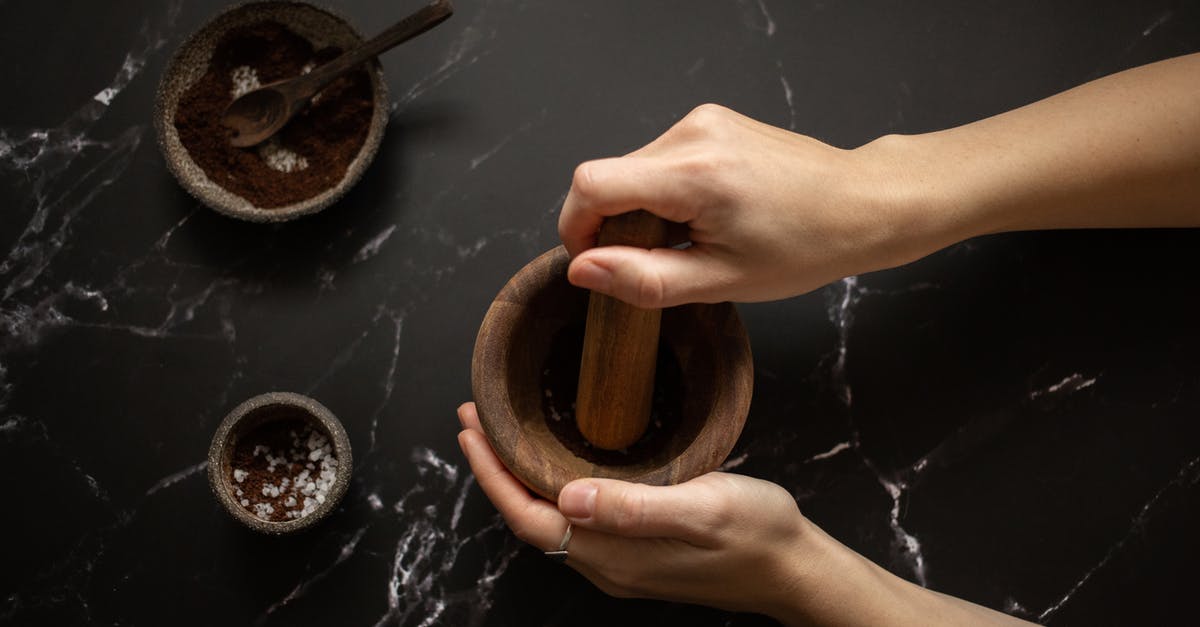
(308, 156)
(282, 470)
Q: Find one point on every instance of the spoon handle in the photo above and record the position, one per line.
(407, 28)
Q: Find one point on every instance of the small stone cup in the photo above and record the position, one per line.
(255, 412)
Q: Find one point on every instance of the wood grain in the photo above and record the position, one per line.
(511, 351)
(620, 347)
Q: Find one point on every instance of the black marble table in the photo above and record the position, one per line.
(1015, 420)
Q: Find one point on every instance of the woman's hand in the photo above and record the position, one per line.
(769, 214)
(772, 214)
(721, 540)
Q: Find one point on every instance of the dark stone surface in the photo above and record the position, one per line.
(1012, 420)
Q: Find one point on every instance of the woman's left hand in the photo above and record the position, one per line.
(721, 540)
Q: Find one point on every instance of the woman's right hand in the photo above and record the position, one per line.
(769, 214)
(772, 214)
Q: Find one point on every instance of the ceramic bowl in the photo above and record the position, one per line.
(322, 28)
(255, 412)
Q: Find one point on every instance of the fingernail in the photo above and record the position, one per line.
(577, 501)
(592, 276)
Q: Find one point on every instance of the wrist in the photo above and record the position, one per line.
(827, 583)
(917, 189)
(821, 579)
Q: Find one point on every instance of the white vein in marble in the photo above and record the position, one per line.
(429, 547)
(467, 49)
(1189, 474)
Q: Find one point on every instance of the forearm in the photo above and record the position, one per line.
(1120, 151)
(833, 585)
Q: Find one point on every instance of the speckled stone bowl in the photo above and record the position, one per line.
(319, 26)
(253, 413)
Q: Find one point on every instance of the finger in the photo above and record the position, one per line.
(533, 520)
(661, 277)
(631, 566)
(608, 187)
(633, 510)
(468, 417)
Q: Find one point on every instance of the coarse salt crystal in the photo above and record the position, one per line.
(239, 475)
(245, 80)
(263, 510)
(301, 487)
(281, 159)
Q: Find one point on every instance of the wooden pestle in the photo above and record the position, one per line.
(620, 348)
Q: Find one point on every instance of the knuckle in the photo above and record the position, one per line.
(650, 290)
(708, 114)
(720, 512)
(521, 531)
(583, 181)
(629, 511)
(703, 119)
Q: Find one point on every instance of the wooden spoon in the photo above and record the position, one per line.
(259, 114)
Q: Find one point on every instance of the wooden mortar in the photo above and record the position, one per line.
(512, 349)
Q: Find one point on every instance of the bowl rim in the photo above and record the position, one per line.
(222, 444)
(196, 182)
(704, 453)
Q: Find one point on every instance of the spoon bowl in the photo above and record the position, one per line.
(262, 111)
(259, 114)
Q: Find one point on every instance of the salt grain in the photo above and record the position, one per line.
(279, 158)
(245, 80)
(299, 490)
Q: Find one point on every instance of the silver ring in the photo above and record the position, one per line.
(560, 555)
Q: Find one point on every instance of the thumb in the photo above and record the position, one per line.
(636, 510)
(650, 279)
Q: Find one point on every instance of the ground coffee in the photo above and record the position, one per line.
(282, 469)
(310, 154)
